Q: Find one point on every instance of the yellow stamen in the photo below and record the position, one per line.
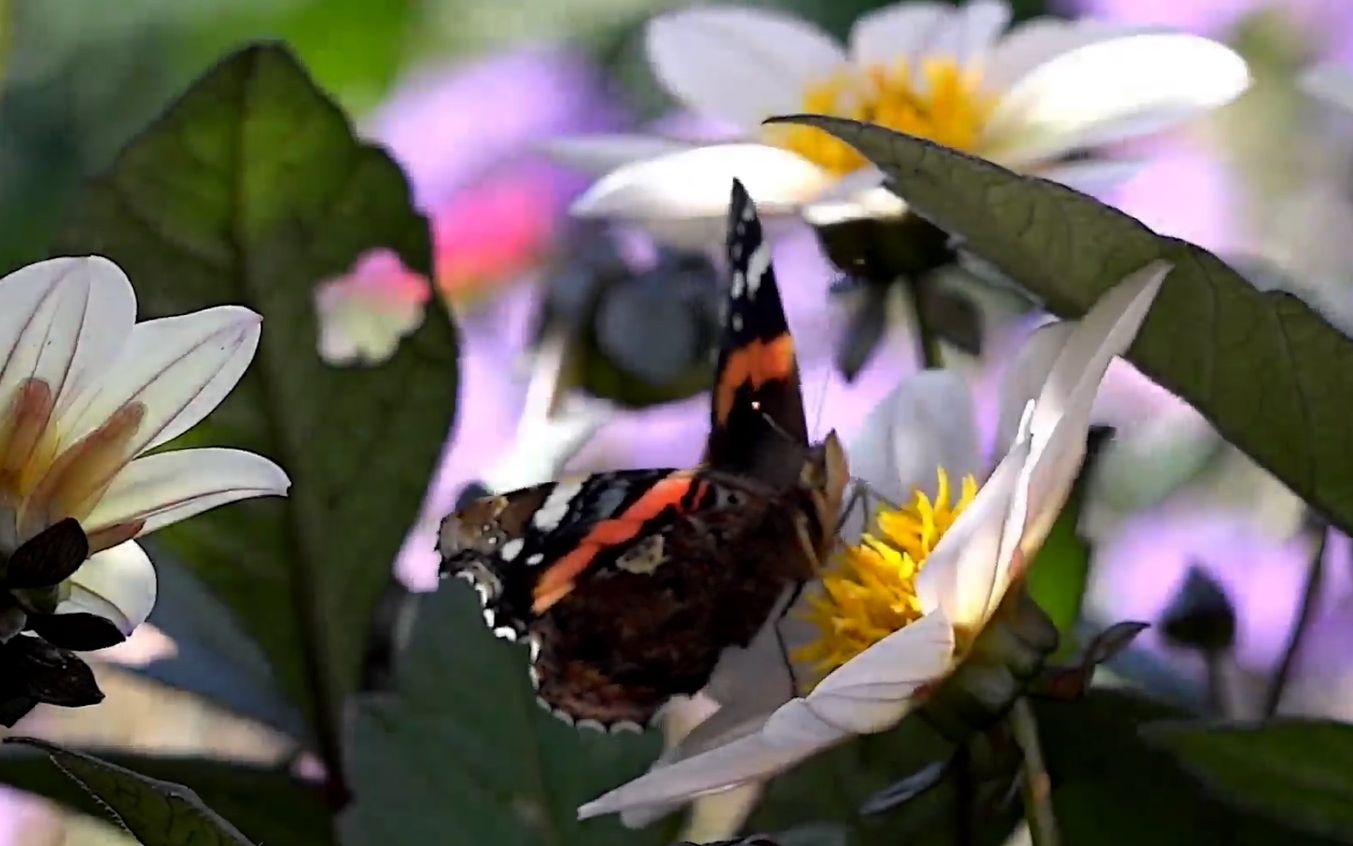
(943, 103)
(869, 592)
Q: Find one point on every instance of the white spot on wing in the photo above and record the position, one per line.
(535, 649)
(535, 558)
(490, 617)
(535, 677)
(555, 507)
(506, 633)
(737, 322)
(757, 265)
(511, 549)
(563, 715)
(626, 727)
(594, 725)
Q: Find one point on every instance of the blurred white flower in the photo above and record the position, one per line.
(900, 611)
(85, 392)
(365, 313)
(1025, 99)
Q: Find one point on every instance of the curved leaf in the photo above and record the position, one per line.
(1272, 375)
(250, 190)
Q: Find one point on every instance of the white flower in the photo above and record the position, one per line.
(904, 606)
(85, 393)
(1024, 98)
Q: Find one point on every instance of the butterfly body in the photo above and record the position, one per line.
(630, 585)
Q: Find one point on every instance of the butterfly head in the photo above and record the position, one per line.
(825, 469)
(478, 534)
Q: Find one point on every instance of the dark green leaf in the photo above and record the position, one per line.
(1273, 376)
(165, 813)
(1297, 772)
(1111, 787)
(464, 753)
(251, 189)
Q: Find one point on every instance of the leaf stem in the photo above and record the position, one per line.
(1315, 577)
(1037, 787)
(927, 340)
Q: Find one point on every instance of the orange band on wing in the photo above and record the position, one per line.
(757, 363)
(558, 580)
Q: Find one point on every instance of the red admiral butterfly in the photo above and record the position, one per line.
(630, 585)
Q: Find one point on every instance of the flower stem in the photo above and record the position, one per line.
(927, 341)
(1315, 577)
(1037, 787)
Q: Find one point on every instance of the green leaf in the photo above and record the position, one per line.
(1111, 787)
(1060, 570)
(463, 753)
(353, 48)
(1296, 771)
(1273, 376)
(251, 189)
(121, 789)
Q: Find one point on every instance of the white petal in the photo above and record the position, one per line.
(897, 33)
(1024, 378)
(118, 584)
(855, 196)
(171, 486)
(179, 367)
(927, 422)
(1331, 83)
(62, 321)
(1093, 176)
(1061, 416)
(1035, 41)
(971, 31)
(600, 154)
(695, 184)
(964, 574)
(1105, 331)
(874, 690)
(740, 65)
(1109, 91)
(748, 758)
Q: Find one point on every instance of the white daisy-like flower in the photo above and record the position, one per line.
(900, 610)
(85, 394)
(1026, 98)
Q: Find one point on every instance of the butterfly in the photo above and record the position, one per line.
(629, 586)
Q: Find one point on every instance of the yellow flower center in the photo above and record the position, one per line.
(943, 103)
(869, 591)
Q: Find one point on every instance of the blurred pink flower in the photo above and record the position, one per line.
(493, 231)
(447, 126)
(365, 313)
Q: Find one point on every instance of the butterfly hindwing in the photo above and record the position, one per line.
(757, 424)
